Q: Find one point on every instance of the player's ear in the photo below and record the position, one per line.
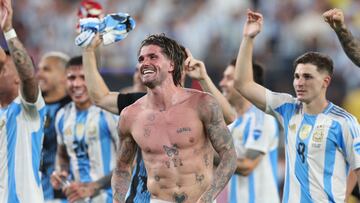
(327, 81)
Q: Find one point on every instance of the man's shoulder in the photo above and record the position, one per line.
(134, 108)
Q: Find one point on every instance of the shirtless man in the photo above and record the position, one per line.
(176, 129)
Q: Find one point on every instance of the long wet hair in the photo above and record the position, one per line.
(172, 50)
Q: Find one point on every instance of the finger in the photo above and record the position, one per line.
(187, 61)
(74, 196)
(188, 53)
(56, 177)
(4, 17)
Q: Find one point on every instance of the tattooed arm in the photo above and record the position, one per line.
(23, 62)
(121, 175)
(335, 18)
(222, 142)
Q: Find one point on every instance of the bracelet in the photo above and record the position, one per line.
(10, 34)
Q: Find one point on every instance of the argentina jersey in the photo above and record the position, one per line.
(21, 135)
(320, 149)
(256, 131)
(91, 139)
(50, 146)
(138, 192)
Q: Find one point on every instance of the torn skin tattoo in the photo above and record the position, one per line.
(183, 130)
(171, 151)
(180, 198)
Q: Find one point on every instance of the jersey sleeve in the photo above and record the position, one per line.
(281, 106)
(32, 108)
(351, 136)
(264, 133)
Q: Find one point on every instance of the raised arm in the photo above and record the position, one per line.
(244, 82)
(197, 71)
(97, 88)
(23, 63)
(222, 142)
(335, 18)
(122, 173)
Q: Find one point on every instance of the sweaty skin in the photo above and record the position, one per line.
(177, 154)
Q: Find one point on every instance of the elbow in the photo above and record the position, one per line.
(239, 85)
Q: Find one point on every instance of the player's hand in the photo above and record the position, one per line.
(6, 15)
(57, 179)
(335, 18)
(77, 191)
(194, 68)
(95, 43)
(253, 24)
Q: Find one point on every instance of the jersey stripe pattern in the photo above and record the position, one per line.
(258, 131)
(21, 136)
(91, 139)
(320, 149)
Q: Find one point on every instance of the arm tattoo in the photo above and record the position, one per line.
(25, 68)
(121, 176)
(253, 154)
(103, 183)
(221, 140)
(350, 45)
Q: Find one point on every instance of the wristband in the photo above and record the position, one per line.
(10, 34)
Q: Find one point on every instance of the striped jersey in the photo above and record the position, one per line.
(21, 136)
(50, 146)
(91, 139)
(319, 149)
(138, 191)
(258, 131)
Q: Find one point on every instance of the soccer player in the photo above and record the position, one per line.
(321, 139)
(87, 141)
(22, 116)
(255, 136)
(176, 129)
(51, 77)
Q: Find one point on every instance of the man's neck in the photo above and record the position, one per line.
(54, 96)
(315, 107)
(162, 97)
(242, 107)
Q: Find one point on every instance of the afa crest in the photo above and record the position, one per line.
(305, 131)
(319, 133)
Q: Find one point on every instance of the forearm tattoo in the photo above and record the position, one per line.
(121, 175)
(222, 142)
(25, 68)
(350, 45)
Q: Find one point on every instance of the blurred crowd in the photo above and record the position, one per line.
(211, 29)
